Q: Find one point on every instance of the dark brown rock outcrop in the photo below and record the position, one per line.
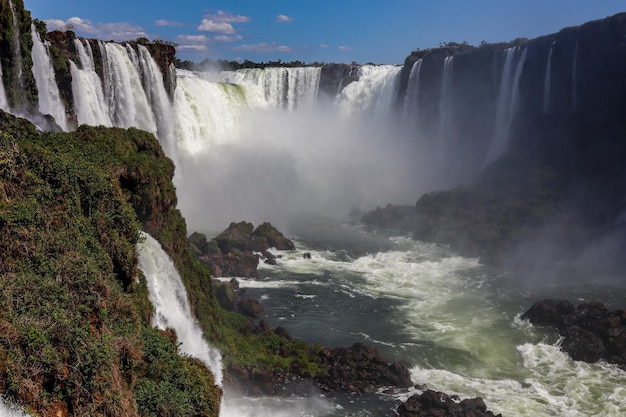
(591, 332)
(237, 250)
(438, 404)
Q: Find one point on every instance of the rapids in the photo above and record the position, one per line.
(454, 320)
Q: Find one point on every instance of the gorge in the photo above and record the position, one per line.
(526, 137)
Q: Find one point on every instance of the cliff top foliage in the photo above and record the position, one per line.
(76, 335)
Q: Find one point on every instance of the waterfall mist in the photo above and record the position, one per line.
(289, 163)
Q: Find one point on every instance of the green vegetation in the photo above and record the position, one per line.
(75, 316)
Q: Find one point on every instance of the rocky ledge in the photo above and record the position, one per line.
(236, 251)
(590, 332)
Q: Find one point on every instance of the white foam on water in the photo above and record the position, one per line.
(10, 410)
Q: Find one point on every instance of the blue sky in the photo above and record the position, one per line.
(378, 31)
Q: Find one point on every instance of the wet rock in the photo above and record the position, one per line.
(360, 369)
(438, 404)
(590, 332)
(235, 251)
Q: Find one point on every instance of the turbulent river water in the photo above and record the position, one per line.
(454, 321)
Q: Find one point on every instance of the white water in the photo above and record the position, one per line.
(7, 410)
(445, 127)
(123, 90)
(411, 99)
(289, 88)
(17, 60)
(200, 126)
(449, 316)
(49, 97)
(169, 299)
(508, 102)
(159, 101)
(373, 95)
(89, 103)
(4, 104)
(547, 105)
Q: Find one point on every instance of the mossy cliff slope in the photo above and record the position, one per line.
(75, 334)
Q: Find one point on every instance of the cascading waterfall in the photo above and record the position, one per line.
(411, 100)
(4, 104)
(169, 299)
(158, 99)
(49, 97)
(89, 102)
(547, 81)
(373, 94)
(445, 108)
(126, 99)
(198, 126)
(508, 101)
(17, 61)
(575, 78)
(290, 88)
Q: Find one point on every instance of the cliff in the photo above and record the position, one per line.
(541, 162)
(76, 334)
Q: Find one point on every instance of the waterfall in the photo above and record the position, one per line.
(16, 60)
(198, 126)
(508, 102)
(49, 97)
(411, 99)
(373, 95)
(159, 101)
(290, 88)
(547, 81)
(574, 78)
(444, 101)
(4, 104)
(126, 99)
(169, 299)
(89, 102)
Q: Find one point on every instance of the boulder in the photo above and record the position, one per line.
(237, 250)
(590, 332)
(438, 404)
(360, 369)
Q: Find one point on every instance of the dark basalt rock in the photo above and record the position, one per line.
(360, 369)
(590, 332)
(437, 404)
(235, 251)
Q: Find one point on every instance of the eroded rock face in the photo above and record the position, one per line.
(591, 332)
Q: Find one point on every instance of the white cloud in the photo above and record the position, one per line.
(192, 38)
(344, 48)
(263, 47)
(281, 18)
(84, 27)
(209, 25)
(223, 16)
(227, 38)
(162, 22)
(192, 48)
(323, 45)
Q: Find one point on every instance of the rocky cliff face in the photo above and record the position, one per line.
(535, 129)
